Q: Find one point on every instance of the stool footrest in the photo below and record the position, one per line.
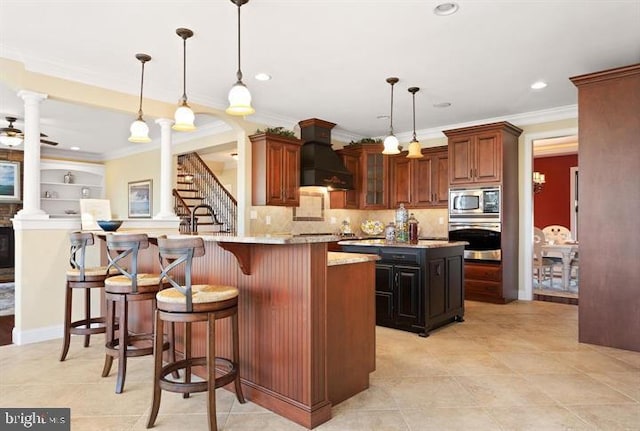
(78, 329)
(228, 368)
(112, 348)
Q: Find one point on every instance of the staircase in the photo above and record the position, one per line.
(201, 201)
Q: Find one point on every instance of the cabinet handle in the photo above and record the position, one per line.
(398, 256)
(396, 279)
(471, 173)
(438, 269)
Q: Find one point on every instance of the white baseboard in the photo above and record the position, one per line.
(36, 335)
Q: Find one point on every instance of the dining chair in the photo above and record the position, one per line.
(542, 266)
(557, 233)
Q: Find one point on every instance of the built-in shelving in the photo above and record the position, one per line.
(61, 199)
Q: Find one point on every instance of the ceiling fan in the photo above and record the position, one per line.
(11, 136)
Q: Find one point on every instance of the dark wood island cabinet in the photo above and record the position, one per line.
(418, 287)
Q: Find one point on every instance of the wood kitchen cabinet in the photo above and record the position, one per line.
(476, 154)
(275, 170)
(487, 155)
(417, 288)
(420, 183)
(370, 178)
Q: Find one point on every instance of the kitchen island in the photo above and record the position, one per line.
(419, 287)
(306, 317)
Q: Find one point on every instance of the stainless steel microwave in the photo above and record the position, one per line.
(481, 204)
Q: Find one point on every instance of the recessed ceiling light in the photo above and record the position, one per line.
(382, 117)
(263, 77)
(234, 156)
(74, 148)
(444, 9)
(442, 105)
(538, 85)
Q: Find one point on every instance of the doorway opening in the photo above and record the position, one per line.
(555, 204)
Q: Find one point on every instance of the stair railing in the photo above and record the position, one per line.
(214, 194)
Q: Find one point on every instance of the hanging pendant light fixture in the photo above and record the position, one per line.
(239, 95)
(414, 146)
(139, 129)
(184, 115)
(391, 142)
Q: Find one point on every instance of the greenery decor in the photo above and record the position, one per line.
(277, 131)
(366, 141)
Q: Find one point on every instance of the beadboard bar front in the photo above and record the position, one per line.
(283, 323)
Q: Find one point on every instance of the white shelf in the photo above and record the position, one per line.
(85, 176)
(70, 184)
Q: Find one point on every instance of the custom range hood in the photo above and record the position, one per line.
(321, 166)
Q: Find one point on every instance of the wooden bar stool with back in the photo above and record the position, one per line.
(79, 276)
(190, 303)
(129, 286)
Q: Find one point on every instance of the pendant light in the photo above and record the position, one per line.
(184, 115)
(391, 142)
(239, 95)
(139, 129)
(414, 146)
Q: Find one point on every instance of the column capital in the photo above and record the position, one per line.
(165, 122)
(28, 95)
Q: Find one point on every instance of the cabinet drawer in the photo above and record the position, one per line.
(401, 255)
(482, 272)
(485, 288)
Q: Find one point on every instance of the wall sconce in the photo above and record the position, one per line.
(538, 182)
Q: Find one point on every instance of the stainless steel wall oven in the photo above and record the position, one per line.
(483, 239)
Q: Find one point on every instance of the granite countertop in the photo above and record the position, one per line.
(420, 244)
(260, 239)
(339, 258)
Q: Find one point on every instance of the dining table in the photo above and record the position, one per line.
(568, 251)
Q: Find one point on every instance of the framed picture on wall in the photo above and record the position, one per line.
(140, 196)
(9, 181)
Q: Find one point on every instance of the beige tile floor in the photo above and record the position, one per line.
(507, 367)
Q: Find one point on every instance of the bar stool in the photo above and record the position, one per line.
(193, 303)
(79, 276)
(129, 286)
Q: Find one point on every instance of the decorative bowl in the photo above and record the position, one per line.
(372, 227)
(109, 225)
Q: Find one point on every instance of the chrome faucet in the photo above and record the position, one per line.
(194, 219)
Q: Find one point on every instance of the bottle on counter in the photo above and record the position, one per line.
(390, 233)
(413, 229)
(402, 217)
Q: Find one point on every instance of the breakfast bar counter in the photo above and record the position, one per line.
(306, 317)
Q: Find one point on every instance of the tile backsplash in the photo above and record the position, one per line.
(279, 220)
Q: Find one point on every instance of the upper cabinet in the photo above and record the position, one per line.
(370, 177)
(64, 183)
(476, 154)
(275, 170)
(419, 183)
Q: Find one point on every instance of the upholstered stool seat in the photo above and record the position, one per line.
(120, 290)
(79, 276)
(188, 303)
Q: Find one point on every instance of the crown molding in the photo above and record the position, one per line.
(523, 119)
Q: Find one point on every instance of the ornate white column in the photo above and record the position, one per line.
(166, 173)
(31, 176)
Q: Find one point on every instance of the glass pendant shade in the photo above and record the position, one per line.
(10, 141)
(239, 100)
(184, 118)
(139, 132)
(391, 145)
(415, 151)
